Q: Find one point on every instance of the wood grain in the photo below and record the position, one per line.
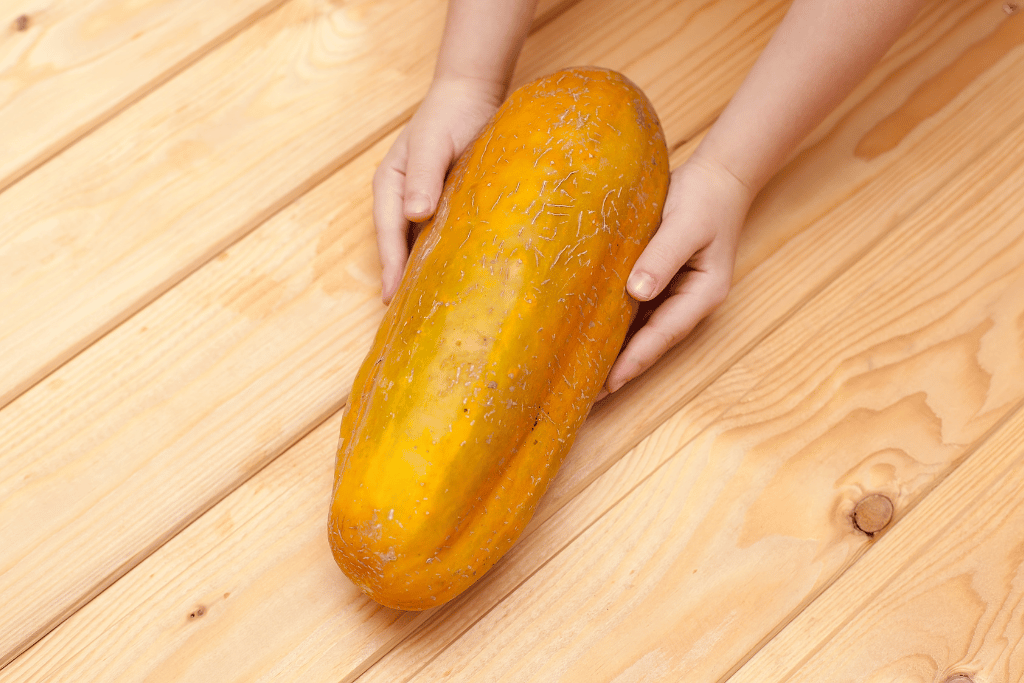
(689, 56)
(315, 212)
(888, 381)
(681, 428)
(937, 597)
(229, 369)
(219, 381)
(133, 208)
(797, 237)
(118, 219)
(68, 67)
(264, 602)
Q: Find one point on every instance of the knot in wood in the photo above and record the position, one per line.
(21, 23)
(1010, 8)
(872, 514)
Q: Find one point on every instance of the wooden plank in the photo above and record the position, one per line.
(885, 382)
(324, 218)
(202, 160)
(713, 551)
(68, 67)
(676, 49)
(263, 603)
(714, 483)
(217, 367)
(938, 596)
(181, 403)
(118, 219)
(133, 208)
(800, 218)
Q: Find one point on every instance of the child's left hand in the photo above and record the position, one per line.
(693, 253)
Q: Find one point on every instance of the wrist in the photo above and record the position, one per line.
(483, 89)
(732, 181)
(481, 43)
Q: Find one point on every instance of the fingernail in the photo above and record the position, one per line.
(417, 206)
(640, 285)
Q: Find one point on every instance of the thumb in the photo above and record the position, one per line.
(429, 158)
(671, 247)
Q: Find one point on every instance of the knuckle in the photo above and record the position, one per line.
(632, 365)
(718, 291)
(667, 338)
(417, 176)
(661, 258)
(383, 178)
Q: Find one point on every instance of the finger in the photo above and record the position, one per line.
(700, 293)
(389, 218)
(675, 242)
(429, 159)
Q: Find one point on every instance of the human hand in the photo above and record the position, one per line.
(692, 254)
(819, 53)
(408, 182)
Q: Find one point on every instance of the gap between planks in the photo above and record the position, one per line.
(422, 620)
(973, 445)
(864, 553)
(426, 618)
(545, 15)
(774, 653)
(410, 628)
(63, 143)
(146, 299)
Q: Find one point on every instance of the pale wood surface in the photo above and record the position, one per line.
(955, 617)
(911, 372)
(192, 282)
(212, 357)
(262, 118)
(66, 67)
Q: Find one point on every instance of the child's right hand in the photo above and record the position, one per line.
(407, 184)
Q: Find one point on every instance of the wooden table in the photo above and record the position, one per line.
(825, 482)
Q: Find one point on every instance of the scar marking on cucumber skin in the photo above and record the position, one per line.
(537, 160)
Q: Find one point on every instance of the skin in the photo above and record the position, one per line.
(820, 52)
